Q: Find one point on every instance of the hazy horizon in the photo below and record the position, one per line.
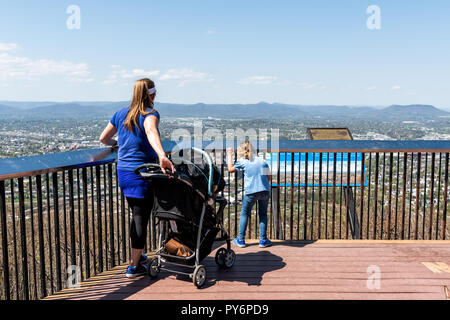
(45, 103)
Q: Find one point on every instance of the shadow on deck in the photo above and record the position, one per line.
(295, 270)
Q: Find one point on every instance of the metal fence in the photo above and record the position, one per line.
(64, 216)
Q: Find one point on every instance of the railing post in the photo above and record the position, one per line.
(277, 217)
(99, 218)
(105, 221)
(57, 238)
(305, 202)
(41, 236)
(122, 214)
(334, 196)
(375, 201)
(445, 197)
(349, 201)
(80, 236)
(391, 162)
(93, 220)
(33, 246)
(313, 192)
(3, 223)
(362, 182)
(276, 212)
(405, 160)
(236, 181)
(23, 241)
(419, 158)
(73, 259)
(86, 222)
(352, 218)
(49, 231)
(292, 196)
(111, 215)
(319, 200)
(433, 159)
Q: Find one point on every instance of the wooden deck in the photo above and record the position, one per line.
(296, 270)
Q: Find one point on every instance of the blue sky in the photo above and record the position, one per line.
(302, 52)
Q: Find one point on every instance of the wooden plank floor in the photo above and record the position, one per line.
(296, 270)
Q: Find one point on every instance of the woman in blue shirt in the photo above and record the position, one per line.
(139, 142)
(257, 176)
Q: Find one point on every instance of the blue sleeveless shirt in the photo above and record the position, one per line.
(134, 150)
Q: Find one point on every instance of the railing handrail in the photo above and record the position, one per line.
(47, 163)
(33, 165)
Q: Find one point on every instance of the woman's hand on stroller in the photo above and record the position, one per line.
(166, 164)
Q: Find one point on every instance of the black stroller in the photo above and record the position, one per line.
(185, 206)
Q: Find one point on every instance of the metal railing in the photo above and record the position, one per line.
(64, 216)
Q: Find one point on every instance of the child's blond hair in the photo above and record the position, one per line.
(246, 151)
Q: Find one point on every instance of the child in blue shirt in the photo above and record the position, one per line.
(256, 189)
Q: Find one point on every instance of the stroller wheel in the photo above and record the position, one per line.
(230, 258)
(199, 276)
(153, 268)
(220, 257)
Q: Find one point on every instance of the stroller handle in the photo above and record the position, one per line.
(210, 164)
(152, 168)
(155, 169)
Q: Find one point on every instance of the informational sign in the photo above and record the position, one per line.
(300, 163)
(329, 134)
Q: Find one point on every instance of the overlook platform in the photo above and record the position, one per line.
(66, 210)
(323, 269)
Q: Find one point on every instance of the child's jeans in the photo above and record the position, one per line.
(247, 204)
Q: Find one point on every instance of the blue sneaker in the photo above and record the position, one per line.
(240, 243)
(265, 243)
(133, 272)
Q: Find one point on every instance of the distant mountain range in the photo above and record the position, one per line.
(262, 110)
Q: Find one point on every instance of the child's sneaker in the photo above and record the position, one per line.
(265, 243)
(133, 272)
(240, 243)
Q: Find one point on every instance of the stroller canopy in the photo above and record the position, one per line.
(196, 167)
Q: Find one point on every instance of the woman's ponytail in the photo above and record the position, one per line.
(142, 100)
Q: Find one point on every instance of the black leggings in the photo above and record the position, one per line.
(141, 209)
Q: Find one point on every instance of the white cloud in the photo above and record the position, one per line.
(109, 81)
(183, 74)
(396, 88)
(210, 32)
(8, 46)
(310, 86)
(186, 75)
(135, 73)
(371, 88)
(283, 83)
(120, 73)
(22, 68)
(257, 80)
